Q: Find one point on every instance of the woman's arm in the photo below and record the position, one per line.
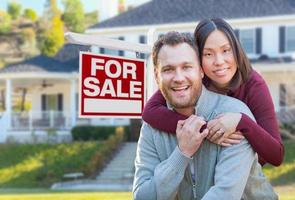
(159, 116)
(264, 136)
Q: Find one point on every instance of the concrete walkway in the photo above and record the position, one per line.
(116, 176)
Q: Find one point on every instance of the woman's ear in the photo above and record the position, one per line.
(201, 72)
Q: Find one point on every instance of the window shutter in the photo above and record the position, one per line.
(60, 102)
(258, 40)
(43, 102)
(282, 38)
(102, 50)
(142, 40)
(121, 53)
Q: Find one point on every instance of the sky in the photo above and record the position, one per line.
(38, 5)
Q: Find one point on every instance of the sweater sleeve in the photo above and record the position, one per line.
(155, 178)
(159, 116)
(264, 137)
(231, 172)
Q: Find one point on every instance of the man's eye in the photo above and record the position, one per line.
(187, 67)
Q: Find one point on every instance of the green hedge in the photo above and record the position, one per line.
(86, 133)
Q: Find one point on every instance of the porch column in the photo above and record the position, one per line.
(150, 82)
(8, 102)
(73, 102)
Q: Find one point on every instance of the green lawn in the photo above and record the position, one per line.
(282, 178)
(70, 195)
(41, 165)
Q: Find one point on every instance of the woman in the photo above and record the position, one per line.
(228, 71)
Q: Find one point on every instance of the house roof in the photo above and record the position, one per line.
(66, 60)
(181, 11)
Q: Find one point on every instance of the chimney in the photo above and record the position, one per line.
(121, 6)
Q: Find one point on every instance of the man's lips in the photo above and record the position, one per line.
(182, 88)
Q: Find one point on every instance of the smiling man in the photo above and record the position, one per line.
(188, 166)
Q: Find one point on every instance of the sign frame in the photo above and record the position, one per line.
(81, 111)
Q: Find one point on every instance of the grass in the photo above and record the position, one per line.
(283, 177)
(65, 195)
(40, 165)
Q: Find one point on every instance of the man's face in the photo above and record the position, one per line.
(179, 75)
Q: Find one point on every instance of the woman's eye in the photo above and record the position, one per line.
(227, 50)
(207, 54)
(167, 70)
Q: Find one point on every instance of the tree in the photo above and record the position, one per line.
(51, 10)
(30, 14)
(74, 15)
(52, 34)
(14, 9)
(5, 22)
(53, 38)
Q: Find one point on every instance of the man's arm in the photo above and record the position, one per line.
(231, 172)
(155, 179)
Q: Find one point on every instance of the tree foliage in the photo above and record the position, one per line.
(74, 15)
(5, 22)
(51, 10)
(52, 39)
(14, 9)
(30, 14)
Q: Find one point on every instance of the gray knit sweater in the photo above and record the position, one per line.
(162, 171)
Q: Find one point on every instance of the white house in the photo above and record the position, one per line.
(51, 86)
(265, 28)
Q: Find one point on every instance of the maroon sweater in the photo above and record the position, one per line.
(263, 136)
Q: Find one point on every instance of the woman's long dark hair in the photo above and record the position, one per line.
(204, 29)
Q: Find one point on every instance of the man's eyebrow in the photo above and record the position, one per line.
(167, 66)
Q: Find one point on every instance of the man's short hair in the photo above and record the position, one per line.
(173, 38)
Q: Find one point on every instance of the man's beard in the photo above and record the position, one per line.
(186, 102)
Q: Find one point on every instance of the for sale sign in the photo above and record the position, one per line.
(111, 86)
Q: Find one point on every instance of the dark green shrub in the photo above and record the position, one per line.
(86, 133)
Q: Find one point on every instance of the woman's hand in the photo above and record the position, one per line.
(234, 138)
(223, 126)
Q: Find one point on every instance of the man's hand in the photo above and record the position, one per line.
(188, 134)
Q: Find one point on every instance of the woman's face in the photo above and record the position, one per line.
(218, 60)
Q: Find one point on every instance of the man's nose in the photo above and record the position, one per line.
(219, 59)
(179, 75)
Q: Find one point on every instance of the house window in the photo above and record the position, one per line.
(142, 40)
(290, 38)
(112, 51)
(52, 102)
(247, 38)
(121, 53)
(95, 49)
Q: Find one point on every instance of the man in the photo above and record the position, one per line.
(188, 166)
